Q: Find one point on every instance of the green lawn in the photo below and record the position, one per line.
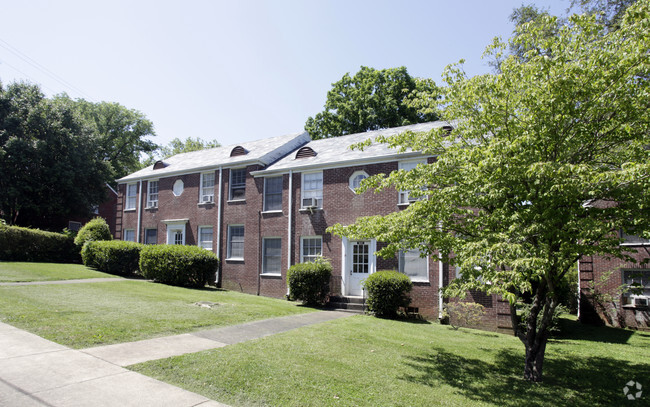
(18, 272)
(90, 314)
(365, 361)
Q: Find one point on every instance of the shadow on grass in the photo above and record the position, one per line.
(575, 330)
(577, 381)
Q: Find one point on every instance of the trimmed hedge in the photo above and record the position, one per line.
(25, 244)
(185, 266)
(95, 230)
(113, 257)
(309, 282)
(387, 292)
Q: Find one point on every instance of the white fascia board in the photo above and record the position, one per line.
(341, 164)
(196, 170)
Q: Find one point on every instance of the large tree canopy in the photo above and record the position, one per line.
(547, 160)
(373, 99)
(119, 133)
(49, 165)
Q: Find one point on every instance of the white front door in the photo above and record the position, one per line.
(176, 235)
(358, 265)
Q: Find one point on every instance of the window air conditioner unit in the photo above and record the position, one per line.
(639, 301)
(309, 203)
(206, 198)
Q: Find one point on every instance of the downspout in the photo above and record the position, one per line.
(218, 276)
(579, 290)
(259, 250)
(137, 236)
(440, 285)
(289, 225)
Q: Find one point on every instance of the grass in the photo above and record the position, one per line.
(11, 272)
(365, 361)
(90, 314)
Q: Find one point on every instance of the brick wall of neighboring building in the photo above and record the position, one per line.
(601, 297)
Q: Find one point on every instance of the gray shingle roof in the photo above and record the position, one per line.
(336, 151)
(264, 151)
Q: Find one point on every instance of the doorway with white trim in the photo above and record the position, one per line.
(359, 261)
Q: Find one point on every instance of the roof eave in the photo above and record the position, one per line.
(339, 164)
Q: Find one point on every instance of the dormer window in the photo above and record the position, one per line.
(305, 152)
(239, 150)
(159, 164)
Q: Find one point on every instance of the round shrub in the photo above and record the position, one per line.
(387, 292)
(95, 230)
(309, 282)
(113, 257)
(185, 266)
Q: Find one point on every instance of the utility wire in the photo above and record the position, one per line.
(4, 44)
(25, 75)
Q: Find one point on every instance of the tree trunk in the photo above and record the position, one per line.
(534, 363)
(536, 335)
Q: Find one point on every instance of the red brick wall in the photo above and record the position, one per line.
(600, 294)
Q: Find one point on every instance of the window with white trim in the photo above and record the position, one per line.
(312, 190)
(237, 184)
(129, 235)
(271, 255)
(356, 178)
(637, 288)
(207, 187)
(311, 247)
(236, 241)
(131, 196)
(205, 237)
(632, 239)
(150, 236)
(414, 266)
(152, 194)
(404, 197)
(273, 193)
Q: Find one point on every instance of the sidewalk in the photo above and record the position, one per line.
(38, 372)
(75, 281)
(129, 353)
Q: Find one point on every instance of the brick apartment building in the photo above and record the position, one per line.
(263, 206)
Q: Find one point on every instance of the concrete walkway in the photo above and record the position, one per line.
(38, 372)
(129, 353)
(74, 281)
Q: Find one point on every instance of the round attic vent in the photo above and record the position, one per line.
(239, 150)
(305, 152)
(158, 165)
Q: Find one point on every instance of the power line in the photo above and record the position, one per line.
(4, 44)
(26, 75)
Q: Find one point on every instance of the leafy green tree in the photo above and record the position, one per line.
(50, 169)
(548, 159)
(607, 12)
(374, 99)
(120, 133)
(178, 146)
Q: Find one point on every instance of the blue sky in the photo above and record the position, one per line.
(237, 70)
